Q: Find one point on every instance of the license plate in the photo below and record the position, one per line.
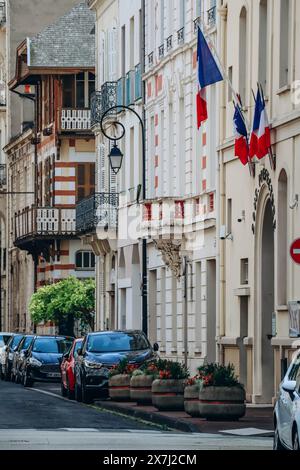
(53, 374)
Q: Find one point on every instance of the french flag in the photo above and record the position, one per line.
(241, 147)
(208, 74)
(260, 141)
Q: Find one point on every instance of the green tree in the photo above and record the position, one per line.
(63, 303)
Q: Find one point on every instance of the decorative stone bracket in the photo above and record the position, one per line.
(170, 251)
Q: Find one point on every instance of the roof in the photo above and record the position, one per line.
(68, 42)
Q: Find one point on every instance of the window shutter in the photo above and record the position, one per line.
(114, 59)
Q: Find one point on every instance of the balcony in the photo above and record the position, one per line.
(103, 100)
(169, 43)
(150, 59)
(44, 223)
(2, 13)
(2, 175)
(212, 16)
(161, 52)
(75, 119)
(180, 36)
(97, 213)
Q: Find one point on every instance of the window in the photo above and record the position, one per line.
(284, 42)
(77, 90)
(85, 260)
(85, 180)
(243, 54)
(244, 271)
(263, 37)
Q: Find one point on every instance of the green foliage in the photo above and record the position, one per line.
(218, 375)
(69, 298)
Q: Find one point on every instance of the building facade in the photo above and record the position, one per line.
(259, 42)
(52, 163)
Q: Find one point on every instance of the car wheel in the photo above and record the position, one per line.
(78, 396)
(86, 395)
(27, 381)
(296, 445)
(277, 445)
(63, 390)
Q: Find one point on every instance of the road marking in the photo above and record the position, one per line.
(53, 395)
(248, 432)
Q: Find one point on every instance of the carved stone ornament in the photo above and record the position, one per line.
(170, 251)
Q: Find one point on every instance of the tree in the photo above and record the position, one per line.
(63, 303)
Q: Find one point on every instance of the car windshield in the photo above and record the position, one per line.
(27, 342)
(4, 340)
(51, 345)
(16, 341)
(117, 342)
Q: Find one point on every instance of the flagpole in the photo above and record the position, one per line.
(224, 73)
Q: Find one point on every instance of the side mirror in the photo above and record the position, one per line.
(155, 347)
(289, 386)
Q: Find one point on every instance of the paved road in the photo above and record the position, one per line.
(39, 418)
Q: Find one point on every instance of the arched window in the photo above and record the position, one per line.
(243, 55)
(282, 239)
(284, 42)
(263, 38)
(85, 261)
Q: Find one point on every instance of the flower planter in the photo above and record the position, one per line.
(191, 400)
(141, 389)
(167, 395)
(119, 387)
(222, 403)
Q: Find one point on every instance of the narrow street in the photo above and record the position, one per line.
(40, 419)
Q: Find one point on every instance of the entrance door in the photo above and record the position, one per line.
(267, 304)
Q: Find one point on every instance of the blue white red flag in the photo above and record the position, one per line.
(241, 147)
(260, 141)
(208, 74)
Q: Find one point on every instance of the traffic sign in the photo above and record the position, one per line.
(295, 251)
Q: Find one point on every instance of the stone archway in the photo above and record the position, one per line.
(263, 378)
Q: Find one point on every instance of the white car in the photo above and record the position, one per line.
(287, 409)
(4, 338)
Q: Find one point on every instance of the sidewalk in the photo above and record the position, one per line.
(257, 421)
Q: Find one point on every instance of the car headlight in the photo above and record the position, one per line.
(35, 362)
(93, 365)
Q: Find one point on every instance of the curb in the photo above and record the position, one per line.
(155, 417)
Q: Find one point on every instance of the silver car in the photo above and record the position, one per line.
(287, 409)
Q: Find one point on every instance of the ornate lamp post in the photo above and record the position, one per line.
(116, 157)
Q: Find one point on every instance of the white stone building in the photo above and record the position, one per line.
(259, 42)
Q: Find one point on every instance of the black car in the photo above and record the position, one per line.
(42, 359)
(18, 358)
(8, 354)
(100, 351)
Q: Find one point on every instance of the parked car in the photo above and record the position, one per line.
(4, 338)
(42, 359)
(9, 351)
(68, 370)
(100, 351)
(287, 409)
(18, 358)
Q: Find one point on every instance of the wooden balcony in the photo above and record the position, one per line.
(75, 120)
(43, 223)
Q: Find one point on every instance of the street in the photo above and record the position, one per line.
(39, 418)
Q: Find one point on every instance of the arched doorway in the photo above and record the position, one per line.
(267, 304)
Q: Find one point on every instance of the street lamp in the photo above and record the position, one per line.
(116, 158)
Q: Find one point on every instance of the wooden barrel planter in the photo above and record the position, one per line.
(191, 400)
(167, 395)
(222, 403)
(119, 387)
(141, 389)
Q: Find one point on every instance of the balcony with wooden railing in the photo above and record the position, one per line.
(34, 223)
(75, 120)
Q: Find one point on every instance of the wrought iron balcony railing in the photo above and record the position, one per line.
(169, 43)
(138, 82)
(2, 13)
(180, 36)
(99, 211)
(212, 16)
(44, 222)
(161, 51)
(2, 175)
(96, 107)
(103, 100)
(150, 59)
(196, 24)
(75, 119)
